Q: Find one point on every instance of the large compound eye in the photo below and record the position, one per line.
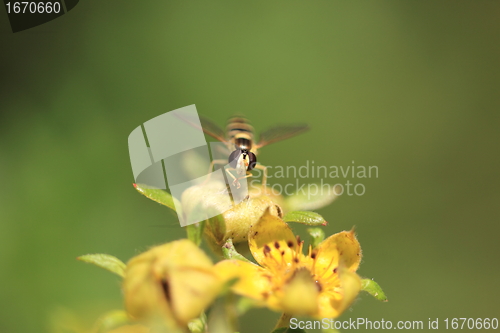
(252, 161)
(233, 158)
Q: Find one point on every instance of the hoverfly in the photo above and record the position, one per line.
(239, 138)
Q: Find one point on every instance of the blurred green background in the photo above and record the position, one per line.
(410, 87)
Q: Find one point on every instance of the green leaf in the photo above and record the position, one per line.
(322, 196)
(112, 264)
(317, 236)
(198, 325)
(229, 252)
(222, 316)
(111, 320)
(373, 289)
(160, 196)
(195, 232)
(305, 217)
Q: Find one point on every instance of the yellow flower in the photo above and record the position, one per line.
(172, 283)
(321, 284)
(238, 218)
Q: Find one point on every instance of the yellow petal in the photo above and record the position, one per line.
(174, 281)
(350, 283)
(143, 293)
(191, 291)
(344, 245)
(272, 242)
(333, 304)
(300, 295)
(182, 252)
(254, 282)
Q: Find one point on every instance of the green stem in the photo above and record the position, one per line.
(231, 312)
(284, 320)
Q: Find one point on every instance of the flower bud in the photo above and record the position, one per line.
(238, 218)
(172, 283)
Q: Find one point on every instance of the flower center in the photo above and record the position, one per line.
(284, 260)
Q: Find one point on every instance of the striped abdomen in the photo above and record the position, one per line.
(240, 132)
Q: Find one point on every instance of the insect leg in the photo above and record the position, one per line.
(235, 180)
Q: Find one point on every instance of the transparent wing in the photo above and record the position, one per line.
(279, 133)
(207, 126)
(212, 129)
